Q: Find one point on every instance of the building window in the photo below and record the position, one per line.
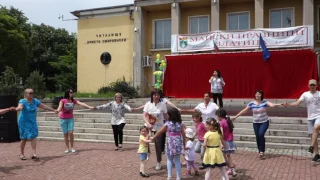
(162, 34)
(238, 21)
(281, 18)
(198, 24)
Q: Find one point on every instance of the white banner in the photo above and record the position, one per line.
(301, 36)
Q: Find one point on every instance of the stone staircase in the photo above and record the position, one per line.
(283, 132)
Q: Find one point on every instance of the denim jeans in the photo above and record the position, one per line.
(260, 130)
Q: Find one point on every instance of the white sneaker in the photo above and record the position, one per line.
(233, 172)
(158, 167)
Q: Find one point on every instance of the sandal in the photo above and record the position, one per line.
(22, 157)
(144, 174)
(116, 149)
(120, 146)
(35, 157)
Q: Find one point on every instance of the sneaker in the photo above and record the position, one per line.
(201, 168)
(66, 151)
(233, 172)
(158, 167)
(316, 158)
(188, 174)
(310, 150)
(144, 174)
(196, 173)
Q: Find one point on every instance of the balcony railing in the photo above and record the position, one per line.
(161, 46)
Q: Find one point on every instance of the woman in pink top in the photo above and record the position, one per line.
(227, 126)
(66, 107)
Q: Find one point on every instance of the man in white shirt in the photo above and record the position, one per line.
(312, 100)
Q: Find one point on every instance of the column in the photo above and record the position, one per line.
(215, 15)
(138, 44)
(259, 13)
(308, 12)
(175, 18)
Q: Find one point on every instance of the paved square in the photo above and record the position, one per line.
(95, 161)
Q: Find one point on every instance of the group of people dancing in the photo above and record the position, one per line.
(213, 128)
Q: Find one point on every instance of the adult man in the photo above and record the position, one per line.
(312, 100)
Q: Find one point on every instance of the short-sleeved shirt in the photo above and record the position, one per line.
(227, 134)
(259, 111)
(143, 146)
(190, 154)
(201, 130)
(217, 85)
(312, 102)
(155, 112)
(117, 111)
(67, 108)
(207, 112)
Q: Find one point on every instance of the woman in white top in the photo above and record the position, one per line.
(153, 112)
(118, 120)
(217, 84)
(207, 108)
(260, 118)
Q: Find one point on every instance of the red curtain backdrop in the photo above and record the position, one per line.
(284, 75)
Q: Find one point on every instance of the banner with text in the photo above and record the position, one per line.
(301, 36)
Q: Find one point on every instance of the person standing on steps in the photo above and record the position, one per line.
(118, 120)
(217, 84)
(27, 121)
(207, 109)
(66, 107)
(260, 118)
(312, 99)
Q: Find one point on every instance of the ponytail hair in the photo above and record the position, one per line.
(213, 122)
(223, 114)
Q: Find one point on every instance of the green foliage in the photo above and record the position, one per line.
(14, 43)
(83, 95)
(8, 84)
(36, 81)
(121, 86)
(66, 69)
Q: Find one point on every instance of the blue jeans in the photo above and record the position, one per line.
(177, 163)
(260, 129)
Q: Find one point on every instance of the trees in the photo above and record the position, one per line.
(29, 47)
(14, 44)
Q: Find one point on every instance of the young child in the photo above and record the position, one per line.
(227, 131)
(175, 141)
(213, 156)
(190, 153)
(143, 150)
(200, 131)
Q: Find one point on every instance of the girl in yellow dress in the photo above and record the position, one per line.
(213, 156)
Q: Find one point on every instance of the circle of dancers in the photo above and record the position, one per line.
(212, 136)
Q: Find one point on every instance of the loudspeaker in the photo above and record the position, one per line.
(8, 122)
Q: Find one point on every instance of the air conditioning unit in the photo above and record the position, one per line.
(146, 61)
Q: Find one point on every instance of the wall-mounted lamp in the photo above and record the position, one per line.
(136, 8)
(173, 5)
(135, 29)
(214, 1)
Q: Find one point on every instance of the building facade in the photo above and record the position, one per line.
(144, 30)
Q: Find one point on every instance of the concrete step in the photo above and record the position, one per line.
(237, 137)
(185, 118)
(239, 143)
(131, 129)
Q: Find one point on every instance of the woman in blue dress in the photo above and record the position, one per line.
(27, 121)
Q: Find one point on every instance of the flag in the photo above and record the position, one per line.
(216, 49)
(265, 51)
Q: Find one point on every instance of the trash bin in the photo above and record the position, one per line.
(56, 101)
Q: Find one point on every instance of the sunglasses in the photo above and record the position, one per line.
(31, 93)
(71, 92)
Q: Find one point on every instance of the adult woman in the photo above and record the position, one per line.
(27, 121)
(152, 116)
(217, 84)
(175, 140)
(66, 107)
(260, 118)
(208, 109)
(118, 120)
